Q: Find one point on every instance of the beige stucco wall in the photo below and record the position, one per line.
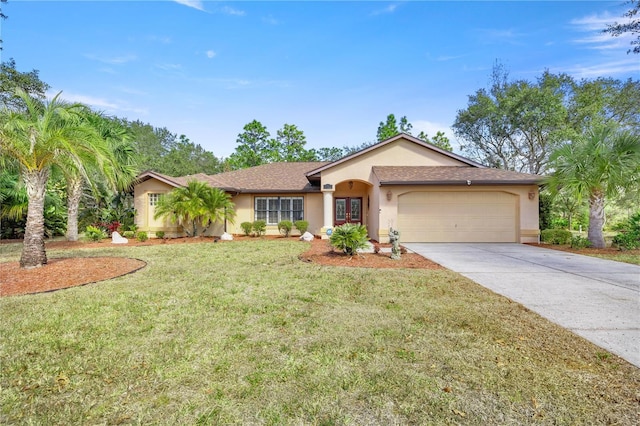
(245, 211)
(144, 214)
(527, 209)
(399, 153)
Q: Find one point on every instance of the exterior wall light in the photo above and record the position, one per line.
(389, 195)
(532, 195)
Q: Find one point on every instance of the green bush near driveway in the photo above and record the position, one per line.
(556, 236)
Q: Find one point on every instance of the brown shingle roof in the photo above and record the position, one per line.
(272, 177)
(448, 175)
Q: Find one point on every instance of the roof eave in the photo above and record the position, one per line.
(461, 182)
(149, 174)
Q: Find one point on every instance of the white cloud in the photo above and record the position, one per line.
(592, 36)
(119, 107)
(115, 60)
(159, 39)
(231, 11)
(270, 20)
(196, 4)
(210, 54)
(611, 68)
(85, 99)
(388, 9)
(169, 67)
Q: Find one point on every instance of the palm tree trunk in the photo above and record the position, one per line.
(596, 219)
(74, 193)
(33, 253)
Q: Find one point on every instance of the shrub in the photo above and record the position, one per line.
(260, 227)
(579, 242)
(349, 238)
(131, 227)
(142, 236)
(285, 227)
(629, 236)
(246, 228)
(160, 234)
(128, 234)
(555, 236)
(301, 225)
(94, 233)
(626, 241)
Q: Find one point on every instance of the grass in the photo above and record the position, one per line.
(244, 333)
(632, 258)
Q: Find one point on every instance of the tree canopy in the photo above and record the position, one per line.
(516, 125)
(160, 150)
(12, 79)
(631, 26)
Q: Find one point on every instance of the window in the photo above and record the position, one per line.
(153, 199)
(275, 209)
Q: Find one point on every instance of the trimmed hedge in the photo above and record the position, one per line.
(556, 236)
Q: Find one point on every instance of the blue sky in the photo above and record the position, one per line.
(334, 69)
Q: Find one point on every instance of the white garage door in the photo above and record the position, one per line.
(457, 217)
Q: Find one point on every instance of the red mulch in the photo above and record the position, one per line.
(63, 273)
(70, 272)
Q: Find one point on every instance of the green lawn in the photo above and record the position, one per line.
(245, 333)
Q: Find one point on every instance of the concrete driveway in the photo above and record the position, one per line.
(595, 298)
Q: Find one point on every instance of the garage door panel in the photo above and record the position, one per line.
(457, 217)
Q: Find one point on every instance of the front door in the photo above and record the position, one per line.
(347, 210)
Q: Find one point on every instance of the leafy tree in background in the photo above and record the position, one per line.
(289, 145)
(348, 150)
(440, 140)
(388, 129)
(197, 204)
(151, 143)
(513, 125)
(253, 147)
(599, 165)
(633, 26)
(188, 158)
(12, 79)
(405, 126)
(43, 135)
(162, 151)
(603, 101)
(328, 154)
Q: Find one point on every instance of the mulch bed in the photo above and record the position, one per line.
(64, 273)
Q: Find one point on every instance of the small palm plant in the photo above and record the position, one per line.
(349, 238)
(196, 204)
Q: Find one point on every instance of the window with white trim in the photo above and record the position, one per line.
(153, 199)
(276, 209)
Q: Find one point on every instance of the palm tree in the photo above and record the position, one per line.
(38, 137)
(602, 164)
(116, 165)
(196, 204)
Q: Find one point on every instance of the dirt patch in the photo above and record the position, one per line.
(71, 272)
(63, 273)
